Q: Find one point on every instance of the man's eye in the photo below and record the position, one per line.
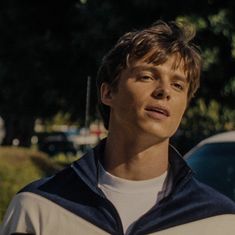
(179, 86)
(146, 78)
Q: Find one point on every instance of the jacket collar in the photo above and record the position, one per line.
(178, 172)
(87, 168)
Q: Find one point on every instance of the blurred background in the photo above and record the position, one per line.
(49, 55)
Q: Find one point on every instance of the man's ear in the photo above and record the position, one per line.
(106, 94)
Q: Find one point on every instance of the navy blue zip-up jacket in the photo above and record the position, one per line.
(71, 203)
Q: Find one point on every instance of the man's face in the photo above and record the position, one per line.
(150, 99)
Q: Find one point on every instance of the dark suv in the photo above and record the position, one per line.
(54, 143)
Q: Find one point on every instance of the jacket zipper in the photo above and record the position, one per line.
(135, 226)
(155, 208)
(111, 206)
(97, 191)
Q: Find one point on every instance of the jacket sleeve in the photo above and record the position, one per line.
(18, 217)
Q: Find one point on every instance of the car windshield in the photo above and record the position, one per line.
(214, 164)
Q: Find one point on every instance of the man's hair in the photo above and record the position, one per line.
(154, 44)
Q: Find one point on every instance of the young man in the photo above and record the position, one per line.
(133, 182)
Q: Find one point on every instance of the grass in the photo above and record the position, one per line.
(20, 166)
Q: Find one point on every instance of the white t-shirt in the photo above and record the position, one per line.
(131, 198)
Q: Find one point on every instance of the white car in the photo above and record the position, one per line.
(213, 161)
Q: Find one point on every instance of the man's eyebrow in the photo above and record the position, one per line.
(152, 69)
(155, 69)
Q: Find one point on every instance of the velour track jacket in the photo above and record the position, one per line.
(72, 203)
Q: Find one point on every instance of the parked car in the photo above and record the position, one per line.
(54, 143)
(213, 161)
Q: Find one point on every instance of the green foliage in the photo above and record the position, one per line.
(210, 56)
(220, 23)
(229, 88)
(59, 119)
(198, 22)
(202, 120)
(45, 60)
(62, 159)
(18, 167)
(233, 45)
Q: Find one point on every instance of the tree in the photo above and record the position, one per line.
(47, 51)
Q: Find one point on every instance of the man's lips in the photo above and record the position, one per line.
(158, 110)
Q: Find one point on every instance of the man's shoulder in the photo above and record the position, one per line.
(62, 181)
(211, 198)
(194, 201)
(34, 214)
(60, 178)
(216, 225)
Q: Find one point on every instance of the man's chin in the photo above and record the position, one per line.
(157, 136)
(158, 132)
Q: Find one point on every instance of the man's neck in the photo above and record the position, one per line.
(134, 158)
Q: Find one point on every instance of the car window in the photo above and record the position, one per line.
(214, 164)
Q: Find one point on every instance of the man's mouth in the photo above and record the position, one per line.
(158, 110)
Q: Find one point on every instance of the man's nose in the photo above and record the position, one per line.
(162, 91)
